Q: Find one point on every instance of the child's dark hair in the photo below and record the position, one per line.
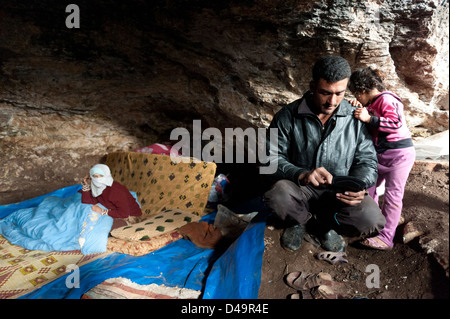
(331, 68)
(364, 80)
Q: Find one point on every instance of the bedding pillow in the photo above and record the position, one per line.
(161, 183)
(165, 221)
(142, 247)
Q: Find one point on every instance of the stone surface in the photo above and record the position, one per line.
(135, 70)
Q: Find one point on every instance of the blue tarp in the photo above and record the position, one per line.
(231, 274)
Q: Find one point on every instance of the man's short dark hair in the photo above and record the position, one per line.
(332, 69)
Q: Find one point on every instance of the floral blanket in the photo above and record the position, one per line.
(23, 270)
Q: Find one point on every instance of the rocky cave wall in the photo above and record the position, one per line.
(134, 70)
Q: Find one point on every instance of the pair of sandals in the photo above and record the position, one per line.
(316, 286)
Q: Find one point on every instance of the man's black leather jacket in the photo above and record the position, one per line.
(343, 145)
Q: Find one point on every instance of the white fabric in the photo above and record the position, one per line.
(98, 184)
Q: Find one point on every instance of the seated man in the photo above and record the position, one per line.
(318, 139)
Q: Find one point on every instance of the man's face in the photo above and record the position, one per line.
(328, 96)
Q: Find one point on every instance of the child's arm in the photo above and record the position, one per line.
(354, 102)
(390, 120)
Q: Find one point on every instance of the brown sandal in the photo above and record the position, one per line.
(328, 292)
(303, 281)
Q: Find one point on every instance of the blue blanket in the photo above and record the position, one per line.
(234, 273)
(58, 224)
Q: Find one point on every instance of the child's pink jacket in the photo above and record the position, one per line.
(388, 125)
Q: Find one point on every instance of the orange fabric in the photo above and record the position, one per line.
(202, 234)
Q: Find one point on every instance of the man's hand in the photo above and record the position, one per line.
(351, 198)
(319, 176)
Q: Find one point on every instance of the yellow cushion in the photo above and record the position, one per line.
(165, 221)
(139, 248)
(162, 184)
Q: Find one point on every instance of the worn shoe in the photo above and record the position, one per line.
(410, 232)
(303, 281)
(332, 241)
(328, 292)
(333, 257)
(292, 237)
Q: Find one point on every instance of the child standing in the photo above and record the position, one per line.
(383, 111)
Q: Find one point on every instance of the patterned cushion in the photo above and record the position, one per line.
(161, 184)
(165, 221)
(139, 248)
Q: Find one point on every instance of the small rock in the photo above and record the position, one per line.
(429, 245)
(410, 232)
(354, 276)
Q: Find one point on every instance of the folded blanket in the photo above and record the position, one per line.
(58, 224)
(123, 288)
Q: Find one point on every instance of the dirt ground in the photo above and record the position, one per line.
(416, 270)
